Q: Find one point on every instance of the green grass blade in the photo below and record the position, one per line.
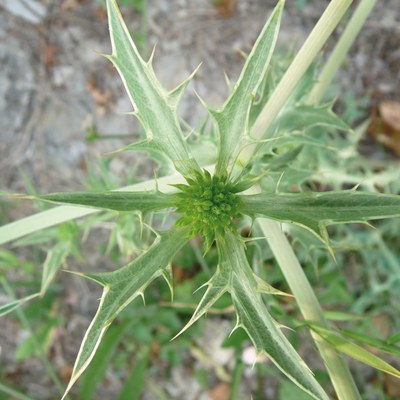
(135, 382)
(117, 201)
(255, 319)
(54, 259)
(394, 339)
(233, 120)
(236, 379)
(14, 393)
(353, 350)
(97, 369)
(121, 287)
(154, 107)
(41, 220)
(316, 210)
(13, 305)
(379, 344)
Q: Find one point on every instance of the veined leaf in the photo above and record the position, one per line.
(316, 210)
(154, 107)
(121, 287)
(232, 121)
(255, 319)
(118, 201)
(353, 350)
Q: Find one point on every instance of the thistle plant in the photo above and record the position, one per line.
(267, 137)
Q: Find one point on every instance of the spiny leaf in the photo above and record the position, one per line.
(121, 287)
(232, 120)
(167, 274)
(280, 162)
(353, 350)
(58, 215)
(154, 107)
(216, 287)
(266, 288)
(302, 117)
(155, 152)
(316, 210)
(255, 319)
(118, 201)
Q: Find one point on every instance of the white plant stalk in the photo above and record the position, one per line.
(310, 49)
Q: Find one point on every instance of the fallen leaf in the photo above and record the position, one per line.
(392, 386)
(220, 392)
(100, 13)
(49, 52)
(385, 125)
(101, 96)
(384, 324)
(225, 7)
(66, 372)
(390, 113)
(68, 5)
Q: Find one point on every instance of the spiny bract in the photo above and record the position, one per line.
(208, 205)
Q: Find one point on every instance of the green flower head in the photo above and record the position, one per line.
(208, 204)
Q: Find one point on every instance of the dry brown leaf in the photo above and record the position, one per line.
(390, 113)
(220, 392)
(68, 5)
(101, 13)
(225, 7)
(383, 323)
(101, 96)
(49, 53)
(66, 372)
(392, 386)
(385, 125)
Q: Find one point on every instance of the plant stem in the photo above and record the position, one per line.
(14, 393)
(283, 252)
(310, 308)
(26, 324)
(306, 55)
(341, 49)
